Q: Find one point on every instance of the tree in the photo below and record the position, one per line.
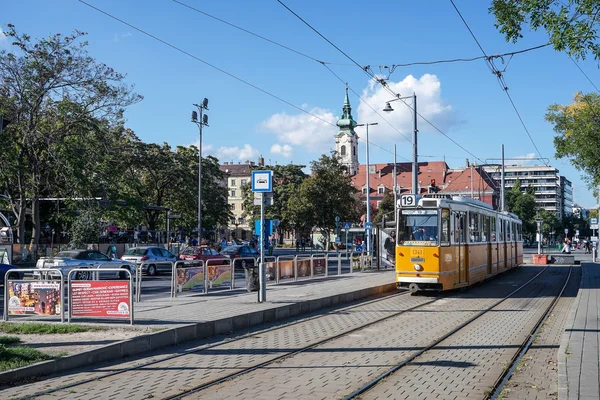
(86, 226)
(386, 207)
(328, 192)
(511, 196)
(56, 97)
(571, 25)
(577, 128)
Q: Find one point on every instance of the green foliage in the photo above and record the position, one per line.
(29, 328)
(523, 205)
(386, 207)
(550, 223)
(86, 226)
(327, 193)
(577, 128)
(572, 25)
(8, 340)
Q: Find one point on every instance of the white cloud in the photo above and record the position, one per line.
(246, 153)
(285, 150)
(314, 133)
(429, 104)
(3, 39)
(522, 160)
(118, 36)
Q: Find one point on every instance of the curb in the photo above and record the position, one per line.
(186, 333)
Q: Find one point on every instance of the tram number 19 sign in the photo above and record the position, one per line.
(100, 299)
(408, 200)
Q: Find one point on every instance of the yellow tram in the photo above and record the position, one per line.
(444, 242)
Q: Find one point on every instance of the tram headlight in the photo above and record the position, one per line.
(418, 267)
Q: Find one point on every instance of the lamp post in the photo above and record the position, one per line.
(203, 121)
(368, 187)
(236, 222)
(415, 164)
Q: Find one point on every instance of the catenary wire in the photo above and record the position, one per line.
(500, 77)
(220, 70)
(584, 74)
(254, 34)
(207, 63)
(372, 76)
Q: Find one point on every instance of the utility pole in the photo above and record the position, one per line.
(203, 121)
(395, 187)
(502, 205)
(368, 183)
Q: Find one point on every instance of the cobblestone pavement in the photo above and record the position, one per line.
(340, 366)
(467, 364)
(536, 377)
(321, 372)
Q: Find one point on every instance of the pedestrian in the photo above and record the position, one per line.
(136, 237)
(194, 241)
(303, 244)
(566, 246)
(297, 245)
(588, 245)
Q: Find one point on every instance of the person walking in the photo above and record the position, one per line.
(303, 244)
(297, 245)
(588, 245)
(566, 246)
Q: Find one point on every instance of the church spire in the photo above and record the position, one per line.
(346, 122)
(346, 141)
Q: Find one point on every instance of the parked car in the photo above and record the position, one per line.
(245, 252)
(155, 259)
(13, 275)
(196, 253)
(72, 259)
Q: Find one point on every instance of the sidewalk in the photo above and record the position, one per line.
(190, 318)
(578, 370)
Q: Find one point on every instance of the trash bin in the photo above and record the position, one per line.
(251, 273)
(270, 250)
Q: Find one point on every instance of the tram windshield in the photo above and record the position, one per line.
(418, 227)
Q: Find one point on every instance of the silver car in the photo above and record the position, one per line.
(72, 259)
(155, 259)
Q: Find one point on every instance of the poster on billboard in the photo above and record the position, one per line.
(270, 269)
(320, 265)
(219, 276)
(387, 250)
(303, 267)
(100, 299)
(286, 269)
(34, 298)
(190, 278)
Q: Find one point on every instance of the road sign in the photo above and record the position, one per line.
(174, 216)
(347, 225)
(368, 225)
(275, 223)
(268, 198)
(262, 181)
(594, 226)
(337, 218)
(566, 231)
(593, 220)
(408, 200)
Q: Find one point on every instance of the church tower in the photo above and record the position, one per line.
(346, 141)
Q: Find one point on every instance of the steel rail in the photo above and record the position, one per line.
(293, 353)
(514, 362)
(225, 342)
(407, 361)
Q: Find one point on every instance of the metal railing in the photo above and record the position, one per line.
(96, 277)
(9, 302)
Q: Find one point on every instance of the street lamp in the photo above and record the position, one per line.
(237, 222)
(368, 186)
(415, 166)
(203, 121)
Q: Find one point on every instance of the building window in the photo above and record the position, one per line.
(353, 150)
(378, 203)
(232, 206)
(233, 193)
(343, 151)
(380, 189)
(233, 182)
(243, 182)
(364, 190)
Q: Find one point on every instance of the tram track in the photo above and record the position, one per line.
(156, 362)
(501, 381)
(500, 384)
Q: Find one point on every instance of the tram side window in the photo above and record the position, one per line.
(485, 234)
(445, 231)
(475, 228)
(502, 230)
(507, 230)
(494, 229)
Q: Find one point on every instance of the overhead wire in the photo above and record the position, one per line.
(499, 75)
(374, 77)
(584, 74)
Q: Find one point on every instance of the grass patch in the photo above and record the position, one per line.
(7, 340)
(38, 328)
(19, 356)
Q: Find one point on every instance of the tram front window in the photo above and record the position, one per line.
(418, 227)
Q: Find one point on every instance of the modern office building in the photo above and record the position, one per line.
(553, 192)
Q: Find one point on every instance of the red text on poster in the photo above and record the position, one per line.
(100, 299)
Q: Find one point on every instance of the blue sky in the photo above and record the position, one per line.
(464, 100)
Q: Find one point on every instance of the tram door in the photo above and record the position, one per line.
(459, 245)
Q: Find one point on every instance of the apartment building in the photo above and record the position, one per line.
(553, 192)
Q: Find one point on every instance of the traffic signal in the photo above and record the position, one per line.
(432, 187)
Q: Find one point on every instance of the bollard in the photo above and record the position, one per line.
(594, 254)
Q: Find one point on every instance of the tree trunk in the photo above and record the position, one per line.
(35, 216)
(21, 217)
